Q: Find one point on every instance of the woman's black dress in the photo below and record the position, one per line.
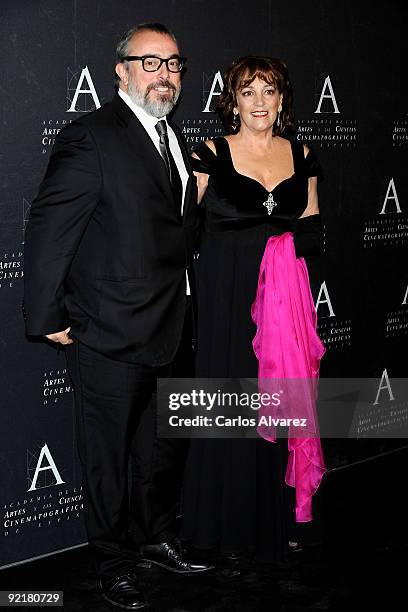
(234, 497)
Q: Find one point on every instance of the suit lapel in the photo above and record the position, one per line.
(146, 149)
(141, 145)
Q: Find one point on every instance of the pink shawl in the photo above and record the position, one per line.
(289, 351)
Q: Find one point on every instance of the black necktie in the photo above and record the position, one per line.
(175, 180)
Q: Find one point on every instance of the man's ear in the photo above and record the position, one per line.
(122, 73)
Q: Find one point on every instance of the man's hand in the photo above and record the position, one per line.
(61, 337)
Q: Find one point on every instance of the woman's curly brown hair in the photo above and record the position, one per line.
(241, 73)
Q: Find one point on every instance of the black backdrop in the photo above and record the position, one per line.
(346, 64)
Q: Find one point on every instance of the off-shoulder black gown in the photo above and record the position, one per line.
(234, 496)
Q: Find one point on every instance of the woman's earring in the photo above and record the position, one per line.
(278, 121)
(234, 125)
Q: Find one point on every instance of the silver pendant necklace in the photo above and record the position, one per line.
(270, 203)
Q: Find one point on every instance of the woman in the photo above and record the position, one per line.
(253, 183)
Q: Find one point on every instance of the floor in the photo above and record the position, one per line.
(359, 557)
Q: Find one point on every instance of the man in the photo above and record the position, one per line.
(108, 242)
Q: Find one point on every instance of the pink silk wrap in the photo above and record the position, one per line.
(288, 349)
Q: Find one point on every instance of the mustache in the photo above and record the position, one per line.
(161, 83)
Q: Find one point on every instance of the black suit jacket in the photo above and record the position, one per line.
(105, 247)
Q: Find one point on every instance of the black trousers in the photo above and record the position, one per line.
(132, 480)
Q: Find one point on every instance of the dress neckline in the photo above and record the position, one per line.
(250, 178)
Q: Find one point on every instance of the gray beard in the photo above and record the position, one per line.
(157, 108)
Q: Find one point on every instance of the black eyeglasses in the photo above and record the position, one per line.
(151, 63)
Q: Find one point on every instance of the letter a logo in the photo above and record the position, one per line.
(44, 470)
(217, 82)
(393, 196)
(327, 87)
(323, 290)
(387, 386)
(91, 91)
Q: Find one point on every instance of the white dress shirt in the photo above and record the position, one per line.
(149, 123)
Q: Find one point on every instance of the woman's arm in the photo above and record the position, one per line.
(307, 235)
(312, 207)
(202, 177)
(202, 182)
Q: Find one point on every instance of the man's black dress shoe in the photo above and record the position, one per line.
(171, 556)
(122, 591)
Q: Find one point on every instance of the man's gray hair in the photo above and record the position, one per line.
(123, 44)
